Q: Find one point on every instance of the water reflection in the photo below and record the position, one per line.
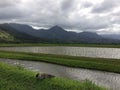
(72, 51)
(109, 80)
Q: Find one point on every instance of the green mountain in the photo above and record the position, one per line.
(9, 34)
(21, 33)
(5, 37)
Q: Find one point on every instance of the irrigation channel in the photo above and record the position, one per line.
(106, 79)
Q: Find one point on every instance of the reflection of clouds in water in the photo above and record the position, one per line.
(72, 51)
(100, 78)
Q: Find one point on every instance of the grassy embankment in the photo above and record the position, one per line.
(75, 45)
(17, 78)
(110, 65)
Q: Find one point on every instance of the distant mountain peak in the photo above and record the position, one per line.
(56, 27)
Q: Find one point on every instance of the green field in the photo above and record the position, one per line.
(47, 44)
(17, 78)
(110, 65)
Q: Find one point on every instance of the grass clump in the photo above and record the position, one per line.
(13, 78)
(20, 67)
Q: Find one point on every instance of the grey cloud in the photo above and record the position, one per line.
(82, 23)
(116, 20)
(10, 13)
(65, 13)
(115, 17)
(105, 6)
(116, 13)
(87, 4)
(67, 5)
(54, 16)
(7, 3)
(9, 10)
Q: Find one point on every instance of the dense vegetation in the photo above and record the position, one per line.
(17, 78)
(110, 65)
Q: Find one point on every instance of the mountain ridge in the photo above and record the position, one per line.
(56, 34)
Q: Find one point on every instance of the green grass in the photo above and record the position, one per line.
(110, 65)
(47, 44)
(16, 78)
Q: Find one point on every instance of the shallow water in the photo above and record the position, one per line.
(72, 51)
(107, 79)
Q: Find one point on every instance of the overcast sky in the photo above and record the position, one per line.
(102, 16)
